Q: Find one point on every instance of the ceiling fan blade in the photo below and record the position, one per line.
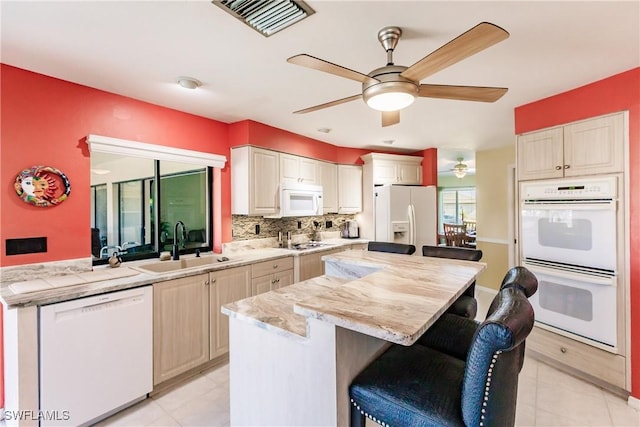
(462, 93)
(328, 67)
(329, 104)
(476, 39)
(390, 118)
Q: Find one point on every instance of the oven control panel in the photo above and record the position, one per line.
(571, 188)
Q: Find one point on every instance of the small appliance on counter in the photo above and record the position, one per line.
(350, 229)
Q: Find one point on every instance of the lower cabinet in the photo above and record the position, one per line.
(188, 327)
(269, 275)
(225, 286)
(582, 359)
(311, 265)
(180, 326)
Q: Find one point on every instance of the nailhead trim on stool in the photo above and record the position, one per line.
(488, 385)
(382, 423)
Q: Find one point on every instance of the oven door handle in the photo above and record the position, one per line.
(596, 280)
(599, 206)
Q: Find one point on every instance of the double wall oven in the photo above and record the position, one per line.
(569, 235)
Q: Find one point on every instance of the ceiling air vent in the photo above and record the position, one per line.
(266, 16)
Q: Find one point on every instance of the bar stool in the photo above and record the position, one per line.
(396, 248)
(420, 386)
(466, 305)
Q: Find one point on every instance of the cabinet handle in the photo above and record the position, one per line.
(275, 265)
(277, 280)
(563, 350)
(213, 280)
(558, 168)
(567, 166)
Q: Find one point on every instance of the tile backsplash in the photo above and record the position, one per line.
(244, 227)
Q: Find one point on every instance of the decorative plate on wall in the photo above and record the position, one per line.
(42, 186)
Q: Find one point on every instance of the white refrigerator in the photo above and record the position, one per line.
(406, 214)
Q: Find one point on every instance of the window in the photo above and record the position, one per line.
(457, 205)
(132, 214)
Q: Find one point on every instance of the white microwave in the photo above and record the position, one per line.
(300, 200)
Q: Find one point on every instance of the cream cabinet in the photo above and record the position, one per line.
(270, 275)
(578, 357)
(588, 147)
(394, 169)
(311, 265)
(329, 182)
(349, 189)
(225, 286)
(255, 176)
(180, 326)
(299, 169)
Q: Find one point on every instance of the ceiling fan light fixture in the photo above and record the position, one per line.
(390, 96)
(460, 170)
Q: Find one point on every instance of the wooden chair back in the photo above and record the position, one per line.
(455, 234)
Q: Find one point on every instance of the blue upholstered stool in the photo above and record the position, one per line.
(421, 386)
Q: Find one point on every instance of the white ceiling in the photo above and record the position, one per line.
(139, 49)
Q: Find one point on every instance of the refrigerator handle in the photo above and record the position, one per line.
(412, 224)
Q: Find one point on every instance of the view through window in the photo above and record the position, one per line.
(132, 217)
(457, 206)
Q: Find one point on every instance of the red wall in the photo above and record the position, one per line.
(616, 93)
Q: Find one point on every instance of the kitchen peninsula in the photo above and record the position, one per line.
(294, 351)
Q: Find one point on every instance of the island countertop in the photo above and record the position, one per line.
(388, 296)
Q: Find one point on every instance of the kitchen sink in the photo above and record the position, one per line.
(309, 245)
(158, 267)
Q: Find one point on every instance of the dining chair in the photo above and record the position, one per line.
(396, 248)
(420, 386)
(466, 305)
(454, 234)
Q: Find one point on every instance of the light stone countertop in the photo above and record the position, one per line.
(56, 288)
(388, 296)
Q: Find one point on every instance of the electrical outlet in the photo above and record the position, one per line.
(299, 225)
(257, 228)
(328, 224)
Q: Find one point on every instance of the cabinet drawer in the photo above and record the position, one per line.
(597, 363)
(272, 266)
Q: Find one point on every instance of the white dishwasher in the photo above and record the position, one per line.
(96, 356)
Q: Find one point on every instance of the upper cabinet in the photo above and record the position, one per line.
(349, 189)
(329, 182)
(588, 147)
(255, 176)
(299, 169)
(395, 169)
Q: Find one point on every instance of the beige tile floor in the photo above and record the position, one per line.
(546, 397)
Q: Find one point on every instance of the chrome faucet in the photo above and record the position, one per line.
(176, 249)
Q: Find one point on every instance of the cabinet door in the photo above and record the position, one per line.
(260, 285)
(384, 172)
(309, 171)
(264, 182)
(594, 146)
(289, 168)
(226, 286)
(409, 174)
(540, 155)
(349, 189)
(180, 326)
(329, 182)
(282, 279)
(311, 266)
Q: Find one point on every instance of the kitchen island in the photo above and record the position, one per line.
(295, 350)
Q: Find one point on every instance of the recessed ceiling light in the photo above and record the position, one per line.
(324, 130)
(189, 82)
(100, 171)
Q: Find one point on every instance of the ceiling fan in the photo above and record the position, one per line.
(394, 87)
(460, 169)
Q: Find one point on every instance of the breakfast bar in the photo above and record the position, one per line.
(295, 350)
